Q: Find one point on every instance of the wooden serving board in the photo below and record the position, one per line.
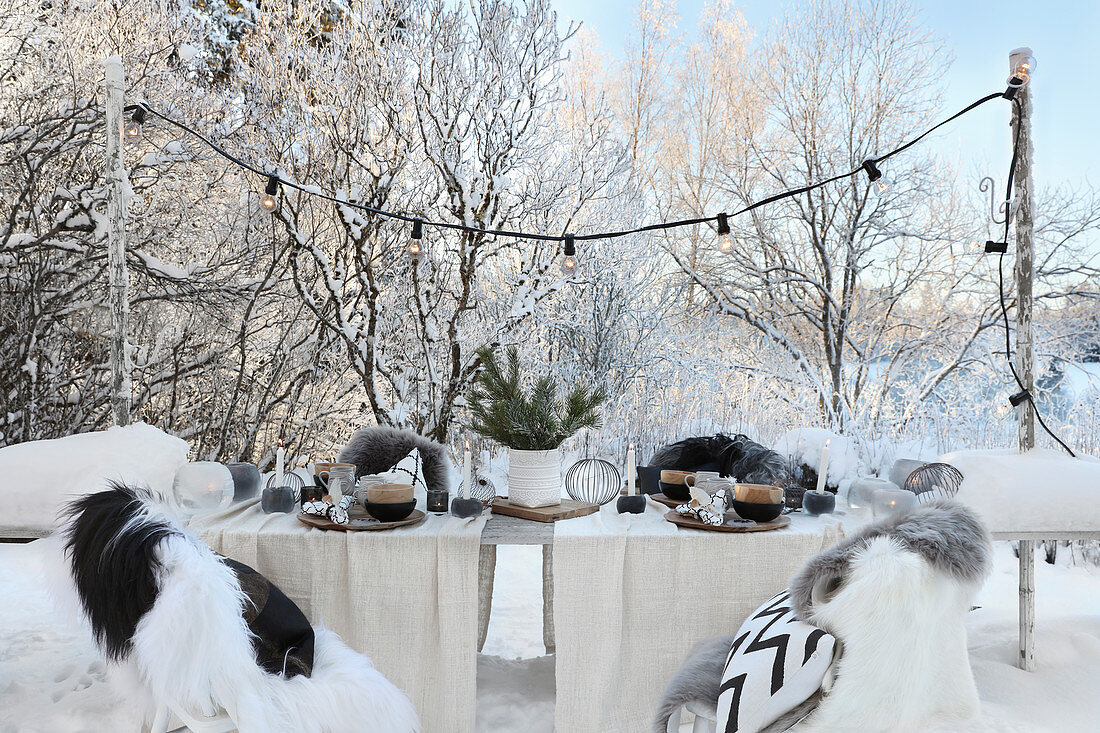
(693, 523)
(566, 510)
(359, 521)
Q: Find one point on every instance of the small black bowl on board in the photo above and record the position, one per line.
(390, 512)
(757, 512)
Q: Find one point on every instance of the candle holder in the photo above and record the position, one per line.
(816, 504)
(466, 508)
(437, 501)
(307, 494)
(246, 480)
(887, 502)
(631, 504)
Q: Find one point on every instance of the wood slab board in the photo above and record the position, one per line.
(693, 523)
(568, 509)
(359, 521)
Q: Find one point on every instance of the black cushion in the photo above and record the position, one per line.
(283, 641)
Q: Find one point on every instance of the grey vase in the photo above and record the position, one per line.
(902, 468)
(246, 480)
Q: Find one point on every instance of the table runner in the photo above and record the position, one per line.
(633, 593)
(406, 597)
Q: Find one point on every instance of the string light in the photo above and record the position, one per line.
(414, 246)
(880, 184)
(724, 242)
(1023, 65)
(271, 190)
(132, 130)
(569, 260)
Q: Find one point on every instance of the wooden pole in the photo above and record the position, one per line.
(1025, 355)
(118, 277)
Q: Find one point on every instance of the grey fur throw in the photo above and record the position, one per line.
(378, 449)
(738, 457)
(697, 679)
(949, 536)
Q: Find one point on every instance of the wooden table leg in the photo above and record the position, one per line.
(486, 570)
(548, 598)
(1027, 605)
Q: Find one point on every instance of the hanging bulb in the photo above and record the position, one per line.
(569, 261)
(880, 184)
(725, 244)
(414, 246)
(1023, 66)
(132, 129)
(271, 190)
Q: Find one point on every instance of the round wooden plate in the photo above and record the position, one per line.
(667, 501)
(360, 521)
(693, 523)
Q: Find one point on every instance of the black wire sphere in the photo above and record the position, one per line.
(593, 480)
(934, 481)
(483, 489)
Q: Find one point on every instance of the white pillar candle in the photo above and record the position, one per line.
(630, 488)
(823, 468)
(280, 457)
(467, 472)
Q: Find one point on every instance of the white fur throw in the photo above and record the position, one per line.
(776, 663)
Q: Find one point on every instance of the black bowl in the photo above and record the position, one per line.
(757, 512)
(391, 512)
(678, 492)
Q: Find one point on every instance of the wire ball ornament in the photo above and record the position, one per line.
(291, 479)
(934, 481)
(593, 480)
(483, 489)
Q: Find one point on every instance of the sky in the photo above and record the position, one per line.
(978, 37)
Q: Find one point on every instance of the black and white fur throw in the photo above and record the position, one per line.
(737, 457)
(186, 628)
(378, 449)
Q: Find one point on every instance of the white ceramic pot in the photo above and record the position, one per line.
(534, 477)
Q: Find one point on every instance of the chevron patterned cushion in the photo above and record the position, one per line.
(777, 662)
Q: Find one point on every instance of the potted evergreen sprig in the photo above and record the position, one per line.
(531, 424)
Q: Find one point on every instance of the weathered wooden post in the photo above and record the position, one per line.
(118, 277)
(1025, 356)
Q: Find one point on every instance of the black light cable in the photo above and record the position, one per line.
(1002, 247)
(140, 110)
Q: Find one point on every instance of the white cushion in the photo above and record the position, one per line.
(39, 477)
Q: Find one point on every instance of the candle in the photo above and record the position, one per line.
(823, 468)
(467, 473)
(630, 489)
(280, 457)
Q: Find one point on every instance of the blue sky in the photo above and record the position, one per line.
(979, 35)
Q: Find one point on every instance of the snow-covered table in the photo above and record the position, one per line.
(633, 593)
(406, 597)
(1031, 497)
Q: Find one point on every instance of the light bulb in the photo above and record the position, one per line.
(1023, 66)
(881, 186)
(267, 196)
(569, 260)
(414, 247)
(724, 242)
(132, 129)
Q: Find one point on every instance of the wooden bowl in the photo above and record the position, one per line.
(389, 493)
(758, 494)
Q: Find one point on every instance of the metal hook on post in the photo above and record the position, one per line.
(988, 184)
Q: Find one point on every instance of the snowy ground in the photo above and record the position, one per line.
(52, 681)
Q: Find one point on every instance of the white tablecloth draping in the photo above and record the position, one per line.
(633, 593)
(406, 597)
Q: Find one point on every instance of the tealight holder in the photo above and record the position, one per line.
(438, 500)
(887, 502)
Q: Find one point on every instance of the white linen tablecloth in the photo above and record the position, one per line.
(633, 593)
(406, 597)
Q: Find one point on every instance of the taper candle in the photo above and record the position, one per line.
(630, 488)
(467, 472)
(823, 468)
(280, 457)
